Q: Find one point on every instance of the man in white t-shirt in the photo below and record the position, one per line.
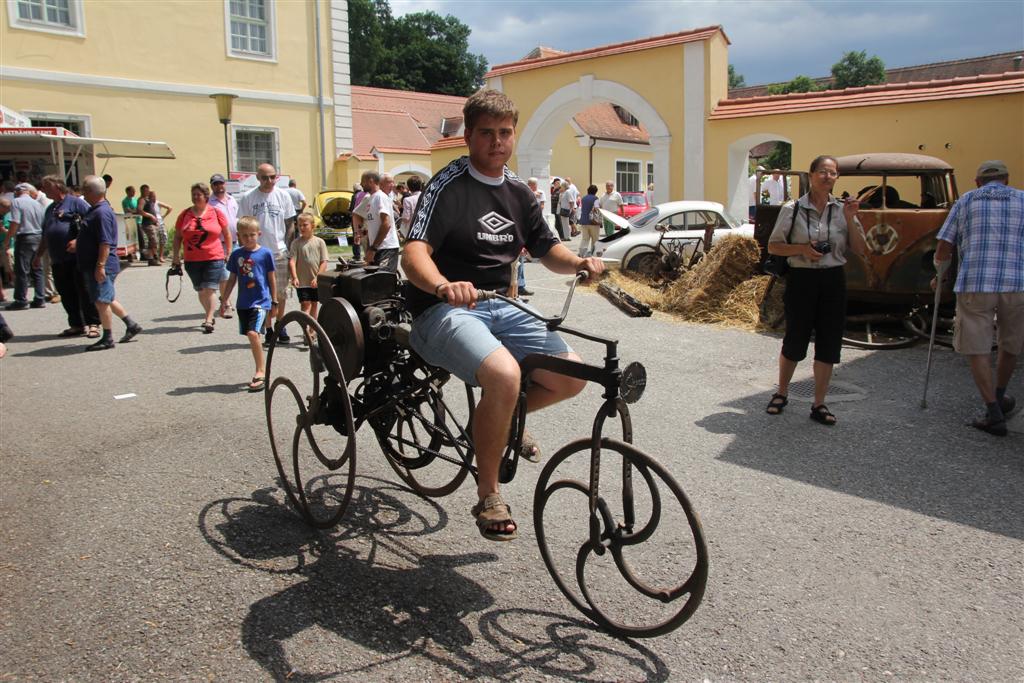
(272, 207)
(381, 232)
(574, 205)
(775, 186)
(611, 201)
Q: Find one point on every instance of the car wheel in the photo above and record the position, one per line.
(647, 264)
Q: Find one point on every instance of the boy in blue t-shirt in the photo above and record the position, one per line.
(252, 267)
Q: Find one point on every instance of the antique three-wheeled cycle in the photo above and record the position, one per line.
(618, 535)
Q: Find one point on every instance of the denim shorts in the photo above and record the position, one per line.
(205, 274)
(100, 292)
(459, 339)
(251, 320)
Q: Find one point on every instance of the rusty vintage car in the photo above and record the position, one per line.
(905, 199)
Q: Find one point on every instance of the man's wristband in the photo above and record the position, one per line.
(437, 290)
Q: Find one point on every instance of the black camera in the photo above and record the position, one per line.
(822, 247)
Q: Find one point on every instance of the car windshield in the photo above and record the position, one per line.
(633, 199)
(640, 220)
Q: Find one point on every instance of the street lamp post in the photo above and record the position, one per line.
(224, 102)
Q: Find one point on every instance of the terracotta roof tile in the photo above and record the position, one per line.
(606, 50)
(402, 150)
(872, 95)
(425, 110)
(972, 66)
(601, 121)
(448, 143)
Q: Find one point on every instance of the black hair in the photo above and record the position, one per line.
(820, 159)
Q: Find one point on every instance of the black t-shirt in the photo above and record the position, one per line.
(476, 229)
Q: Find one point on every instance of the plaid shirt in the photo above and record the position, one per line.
(987, 227)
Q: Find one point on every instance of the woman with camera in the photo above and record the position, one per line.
(814, 234)
(200, 228)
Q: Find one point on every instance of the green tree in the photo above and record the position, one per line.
(856, 69)
(422, 51)
(798, 84)
(781, 157)
(735, 80)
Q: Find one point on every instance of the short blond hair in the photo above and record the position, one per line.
(304, 218)
(246, 222)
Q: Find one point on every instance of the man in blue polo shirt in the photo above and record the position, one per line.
(60, 226)
(97, 261)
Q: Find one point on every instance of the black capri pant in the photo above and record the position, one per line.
(815, 301)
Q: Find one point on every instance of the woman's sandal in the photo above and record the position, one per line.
(92, 332)
(823, 415)
(490, 511)
(777, 404)
(257, 384)
(529, 449)
(206, 327)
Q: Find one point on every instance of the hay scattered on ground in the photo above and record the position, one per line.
(723, 289)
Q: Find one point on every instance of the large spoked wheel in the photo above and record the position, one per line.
(310, 423)
(647, 571)
(919, 322)
(877, 332)
(423, 441)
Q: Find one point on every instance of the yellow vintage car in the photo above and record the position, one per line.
(332, 210)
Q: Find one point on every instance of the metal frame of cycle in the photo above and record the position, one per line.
(402, 398)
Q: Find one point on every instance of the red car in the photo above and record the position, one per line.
(633, 204)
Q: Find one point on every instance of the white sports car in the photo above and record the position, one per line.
(635, 244)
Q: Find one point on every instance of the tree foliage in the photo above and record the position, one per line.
(735, 80)
(856, 69)
(798, 84)
(781, 157)
(422, 51)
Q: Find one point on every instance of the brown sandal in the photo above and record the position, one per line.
(493, 510)
(529, 449)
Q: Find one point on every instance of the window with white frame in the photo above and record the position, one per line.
(650, 173)
(250, 26)
(254, 146)
(627, 176)
(51, 16)
(77, 124)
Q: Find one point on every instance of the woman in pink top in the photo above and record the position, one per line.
(200, 228)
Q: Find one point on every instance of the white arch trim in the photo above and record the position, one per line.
(736, 187)
(537, 137)
(411, 168)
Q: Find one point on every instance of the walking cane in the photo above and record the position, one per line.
(940, 271)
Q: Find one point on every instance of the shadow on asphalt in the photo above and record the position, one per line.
(169, 330)
(887, 451)
(366, 583)
(214, 348)
(32, 338)
(50, 351)
(197, 317)
(209, 389)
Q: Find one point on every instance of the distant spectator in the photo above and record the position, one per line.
(308, 258)
(96, 248)
(220, 199)
(649, 195)
(108, 180)
(26, 232)
(574, 204)
(611, 201)
(775, 186)
(199, 228)
(556, 193)
(61, 222)
(299, 202)
(148, 211)
(409, 203)
(6, 271)
(381, 231)
(588, 226)
(162, 212)
(357, 233)
(566, 211)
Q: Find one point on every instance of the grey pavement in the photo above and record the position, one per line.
(145, 538)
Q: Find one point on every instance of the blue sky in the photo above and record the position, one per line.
(772, 40)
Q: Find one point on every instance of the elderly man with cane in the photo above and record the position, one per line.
(987, 227)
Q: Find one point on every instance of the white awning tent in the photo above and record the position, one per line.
(58, 145)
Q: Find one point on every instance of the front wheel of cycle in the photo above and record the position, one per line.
(648, 569)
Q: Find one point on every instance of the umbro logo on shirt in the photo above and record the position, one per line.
(494, 223)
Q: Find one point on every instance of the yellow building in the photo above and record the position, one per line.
(145, 71)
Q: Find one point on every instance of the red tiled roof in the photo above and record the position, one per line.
(600, 121)
(872, 95)
(423, 112)
(385, 129)
(448, 143)
(606, 50)
(401, 150)
(972, 66)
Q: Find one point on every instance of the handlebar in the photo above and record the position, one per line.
(552, 322)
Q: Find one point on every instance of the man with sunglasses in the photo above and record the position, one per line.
(273, 208)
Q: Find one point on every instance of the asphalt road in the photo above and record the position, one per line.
(144, 537)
